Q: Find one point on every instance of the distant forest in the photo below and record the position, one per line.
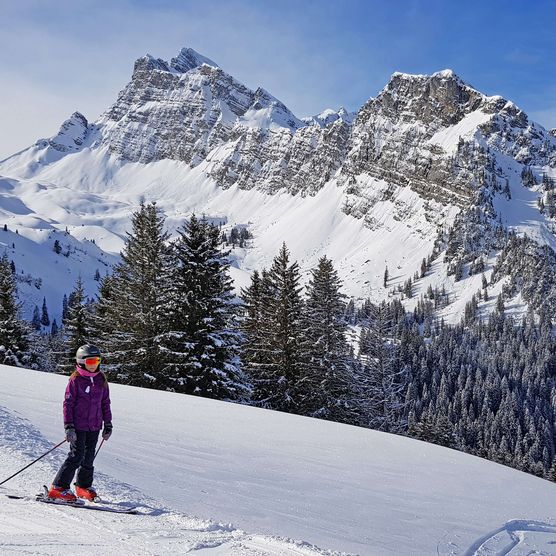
(167, 318)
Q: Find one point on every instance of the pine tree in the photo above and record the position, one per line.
(200, 344)
(77, 325)
(101, 323)
(551, 475)
(326, 389)
(64, 308)
(384, 382)
(423, 268)
(282, 360)
(14, 333)
(133, 312)
(253, 353)
(36, 320)
(45, 319)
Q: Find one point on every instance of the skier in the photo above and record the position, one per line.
(86, 407)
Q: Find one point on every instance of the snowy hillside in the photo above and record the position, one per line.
(370, 190)
(222, 479)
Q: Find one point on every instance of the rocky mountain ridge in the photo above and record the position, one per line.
(426, 148)
(190, 108)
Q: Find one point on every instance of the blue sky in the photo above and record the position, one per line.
(67, 55)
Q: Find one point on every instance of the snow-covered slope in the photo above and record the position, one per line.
(219, 478)
(370, 190)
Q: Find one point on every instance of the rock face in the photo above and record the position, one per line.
(72, 135)
(434, 134)
(431, 167)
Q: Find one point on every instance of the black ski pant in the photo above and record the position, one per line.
(80, 458)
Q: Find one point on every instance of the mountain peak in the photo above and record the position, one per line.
(72, 133)
(188, 59)
(329, 116)
(445, 74)
(441, 98)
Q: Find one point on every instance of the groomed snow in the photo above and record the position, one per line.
(224, 479)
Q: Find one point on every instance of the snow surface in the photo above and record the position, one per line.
(94, 194)
(449, 137)
(223, 479)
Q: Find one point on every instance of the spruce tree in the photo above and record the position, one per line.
(551, 475)
(132, 312)
(77, 325)
(327, 386)
(384, 383)
(64, 308)
(200, 344)
(45, 319)
(252, 350)
(276, 379)
(36, 320)
(14, 333)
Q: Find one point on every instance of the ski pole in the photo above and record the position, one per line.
(100, 446)
(45, 454)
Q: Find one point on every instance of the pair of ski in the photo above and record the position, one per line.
(100, 506)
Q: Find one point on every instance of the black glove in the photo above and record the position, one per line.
(107, 431)
(71, 436)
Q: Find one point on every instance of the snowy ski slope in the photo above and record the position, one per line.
(223, 479)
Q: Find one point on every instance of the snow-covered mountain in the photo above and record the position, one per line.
(376, 189)
(216, 478)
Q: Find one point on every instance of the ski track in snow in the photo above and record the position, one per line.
(517, 537)
(424, 500)
(29, 527)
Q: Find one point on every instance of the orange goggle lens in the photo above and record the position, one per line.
(92, 361)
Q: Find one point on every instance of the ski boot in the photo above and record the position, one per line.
(61, 493)
(86, 493)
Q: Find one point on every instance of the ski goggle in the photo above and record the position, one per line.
(92, 361)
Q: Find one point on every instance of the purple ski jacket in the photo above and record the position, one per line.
(87, 403)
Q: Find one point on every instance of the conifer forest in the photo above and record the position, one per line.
(167, 318)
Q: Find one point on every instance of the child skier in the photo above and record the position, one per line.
(86, 406)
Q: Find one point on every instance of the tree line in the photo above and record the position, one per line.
(167, 318)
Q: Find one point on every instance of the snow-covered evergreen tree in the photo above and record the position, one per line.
(77, 325)
(384, 381)
(45, 319)
(327, 387)
(281, 356)
(64, 308)
(253, 353)
(36, 320)
(132, 312)
(14, 333)
(200, 341)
